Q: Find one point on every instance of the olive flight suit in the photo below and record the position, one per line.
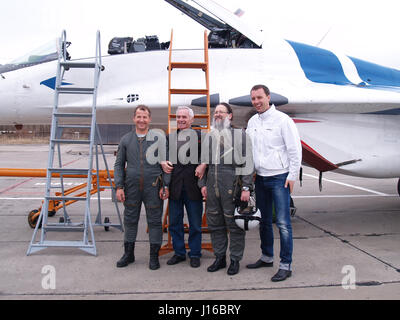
(141, 182)
(221, 181)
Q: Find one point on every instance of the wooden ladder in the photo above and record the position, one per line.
(171, 116)
(173, 91)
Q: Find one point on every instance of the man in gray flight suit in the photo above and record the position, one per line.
(140, 182)
(226, 163)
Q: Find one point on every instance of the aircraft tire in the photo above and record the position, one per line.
(398, 187)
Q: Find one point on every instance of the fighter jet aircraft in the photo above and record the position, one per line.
(347, 110)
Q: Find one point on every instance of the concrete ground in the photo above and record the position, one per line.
(346, 246)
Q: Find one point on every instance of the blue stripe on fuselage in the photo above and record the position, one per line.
(319, 65)
(376, 75)
(51, 83)
(322, 66)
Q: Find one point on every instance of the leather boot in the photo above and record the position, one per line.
(233, 268)
(129, 255)
(154, 264)
(219, 263)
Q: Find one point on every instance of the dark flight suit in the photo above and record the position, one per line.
(221, 180)
(141, 182)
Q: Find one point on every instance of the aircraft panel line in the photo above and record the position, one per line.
(347, 185)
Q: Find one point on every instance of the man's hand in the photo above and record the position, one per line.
(200, 169)
(167, 166)
(120, 195)
(204, 192)
(164, 193)
(291, 185)
(245, 196)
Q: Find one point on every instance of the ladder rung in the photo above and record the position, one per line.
(69, 171)
(201, 116)
(73, 115)
(189, 91)
(75, 90)
(189, 65)
(65, 198)
(71, 141)
(78, 64)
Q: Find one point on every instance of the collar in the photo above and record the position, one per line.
(266, 114)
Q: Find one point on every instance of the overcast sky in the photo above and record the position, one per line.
(366, 29)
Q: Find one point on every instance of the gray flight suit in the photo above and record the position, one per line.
(141, 182)
(222, 183)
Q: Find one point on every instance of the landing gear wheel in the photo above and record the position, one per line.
(106, 220)
(398, 187)
(33, 217)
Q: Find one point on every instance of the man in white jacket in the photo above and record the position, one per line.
(277, 160)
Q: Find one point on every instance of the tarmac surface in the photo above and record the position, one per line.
(346, 245)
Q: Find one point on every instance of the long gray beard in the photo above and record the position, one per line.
(221, 125)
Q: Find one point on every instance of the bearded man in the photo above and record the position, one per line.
(226, 163)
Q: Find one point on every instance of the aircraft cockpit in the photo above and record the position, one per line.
(45, 53)
(123, 45)
(229, 38)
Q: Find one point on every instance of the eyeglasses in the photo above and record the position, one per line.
(218, 112)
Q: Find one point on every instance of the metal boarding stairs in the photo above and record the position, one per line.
(87, 242)
(204, 66)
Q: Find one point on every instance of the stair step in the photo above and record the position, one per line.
(65, 198)
(64, 227)
(73, 115)
(74, 126)
(67, 65)
(75, 90)
(72, 244)
(70, 171)
(69, 141)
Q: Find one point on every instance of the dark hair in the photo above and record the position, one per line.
(143, 108)
(261, 86)
(228, 108)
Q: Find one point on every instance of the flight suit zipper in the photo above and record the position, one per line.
(141, 179)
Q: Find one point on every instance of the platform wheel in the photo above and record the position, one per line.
(51, 213)
(33, 217)
(106, 220)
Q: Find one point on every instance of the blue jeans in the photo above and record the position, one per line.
(271, 190)
(194, 209)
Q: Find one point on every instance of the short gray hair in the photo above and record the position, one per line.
(191, 113)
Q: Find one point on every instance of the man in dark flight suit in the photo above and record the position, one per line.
(137, 181)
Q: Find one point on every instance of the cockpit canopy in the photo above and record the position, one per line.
(45, 53)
